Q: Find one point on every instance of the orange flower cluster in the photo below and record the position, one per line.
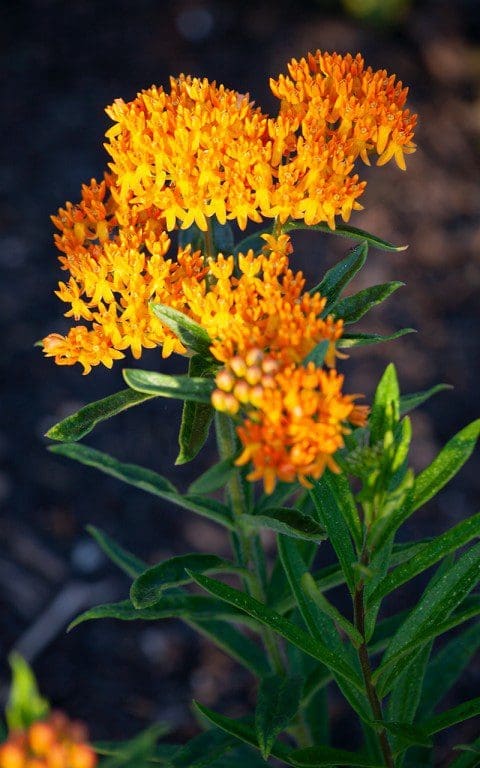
(114, 273)
(53, 743)
(297, 425)
(202, 151)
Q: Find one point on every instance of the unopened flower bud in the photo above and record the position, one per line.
(225, 380)
(254, 357)
(238, 366)
(12, 756)
(82, 756)
(256, 396)
(41, 736)
(253, 375)
(242, 391)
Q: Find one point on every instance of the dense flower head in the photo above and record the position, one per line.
(296, 424)
(196, 151)
(53, 743)
(336, 111)
(259, 302)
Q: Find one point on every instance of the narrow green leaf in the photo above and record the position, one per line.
(236, 644)
(316, 757)
(203, 750)
(332, 518)
(82, 422)
(352, 308)
(430, 554)
(447, 666)
(127, 562)
(438, 601)
(145, 479)
(242, 731)
(25, 704)
(446, 465)
(291, 522)
(176, 606)
(138, 752)
(317, 355)
(404, 701)
(450, 717)
(345, 230)
(311, 589)
(196, 417)
(181, 387)
(339, 487)
(350, 340)
(277, 703)
(149, 587)
(386, 406)
(469, 758)
(410, 402)
(282, 626)
(190, 333)
(160, 756)
(214, 478)
(341, 275)
(407, 734)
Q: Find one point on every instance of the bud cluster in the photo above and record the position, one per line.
(53, 743)
(241, 383)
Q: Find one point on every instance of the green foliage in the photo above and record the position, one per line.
(345, 230)
(25, 704)
(277, 703)
(339, 276)
(196, 389)
(79, 424)
(196, 417)
(278, 622)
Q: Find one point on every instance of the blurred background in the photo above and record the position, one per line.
(62, 62)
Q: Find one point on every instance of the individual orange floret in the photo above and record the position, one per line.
(53, 743)
(298, 426)
(197, 151)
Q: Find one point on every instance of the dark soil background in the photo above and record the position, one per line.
(62, 63)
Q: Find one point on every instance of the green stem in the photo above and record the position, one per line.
(364, 659)
(209, 242)
(249, 550)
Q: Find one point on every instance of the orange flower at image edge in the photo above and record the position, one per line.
(53, 743)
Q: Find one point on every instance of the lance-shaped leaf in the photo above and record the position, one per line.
(446, 667)
(331, 517)
(270, 618)
(430, 554)
(214, 478)
(149, 587)
(345, 230)
(350, 340)
(127, 562)
(386, 405)
(352, 308)
(341, 275)
(160, 756)
(147, 480)
(311, 589)
(139, 752)
(203, 750)
(469, 758)
(196, 417)
(234, 643)
(190, 333)
(291, 522)
(82, 422)
(452, 716)
(179, 605)
(446, 465)
(243, 731)
(317, 355)
(277, 703)
(318, 621)
(181, 387)
(404, 700)
(438, 601)
(415, 399)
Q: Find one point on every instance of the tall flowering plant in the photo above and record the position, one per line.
(151, 260)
